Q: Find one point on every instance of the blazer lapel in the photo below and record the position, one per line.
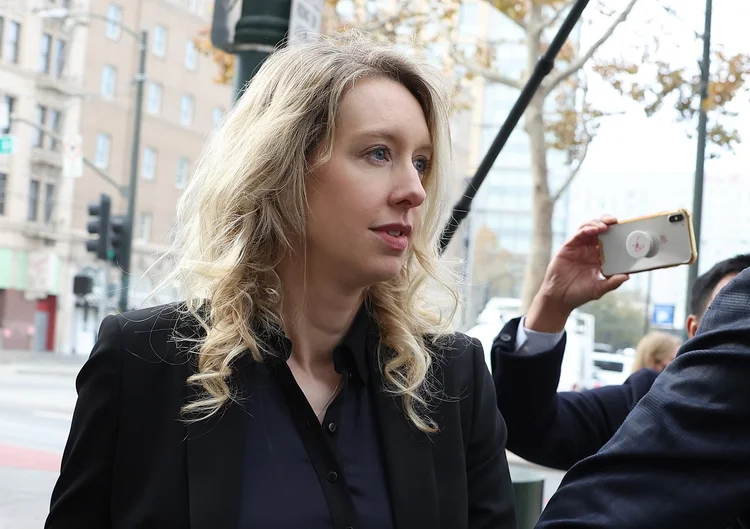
(408, 457)
(215, 466)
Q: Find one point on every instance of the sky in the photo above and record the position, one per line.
(634, 140)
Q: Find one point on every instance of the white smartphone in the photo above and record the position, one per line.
(647, 243)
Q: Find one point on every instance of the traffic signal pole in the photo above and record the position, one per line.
(126, 264)
(262, 26)
(700, 155)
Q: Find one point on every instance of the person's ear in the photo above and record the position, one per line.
(692, 325)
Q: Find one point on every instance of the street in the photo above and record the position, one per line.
(37, 397)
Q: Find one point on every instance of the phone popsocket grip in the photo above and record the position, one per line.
(641, 244)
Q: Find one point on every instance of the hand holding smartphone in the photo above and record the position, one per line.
(647, 243)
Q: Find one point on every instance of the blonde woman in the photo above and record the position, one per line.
(302, 384)
(656, 351)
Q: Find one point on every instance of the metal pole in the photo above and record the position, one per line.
(140, 81)
(262, 26)
(105, 290)
(543, 68)
(701, 155)
(647, 319)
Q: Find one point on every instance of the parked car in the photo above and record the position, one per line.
(611, 368)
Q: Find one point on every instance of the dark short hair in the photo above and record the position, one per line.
(706, 283)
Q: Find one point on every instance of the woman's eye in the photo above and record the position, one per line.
(421, 165)
(380, 154)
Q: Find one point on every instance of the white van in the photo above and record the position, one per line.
(577, 366)
(611, 368)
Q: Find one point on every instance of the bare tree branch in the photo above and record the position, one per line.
(552, 21)
(488, 74)
(573, 171)
(578, 64)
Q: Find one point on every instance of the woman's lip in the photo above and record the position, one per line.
(398, 243)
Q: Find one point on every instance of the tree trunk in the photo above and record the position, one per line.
(541, 204)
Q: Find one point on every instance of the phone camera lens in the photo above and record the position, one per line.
(676, 218)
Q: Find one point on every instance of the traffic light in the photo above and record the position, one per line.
(119, 239)
(99, 225)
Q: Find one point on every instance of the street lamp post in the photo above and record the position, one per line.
(125, 265)
(701, 154)
(262, 26)
(140, 79)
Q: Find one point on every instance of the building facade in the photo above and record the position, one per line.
(75, 75)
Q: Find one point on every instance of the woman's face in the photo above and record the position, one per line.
(662, 363)
(365, 201)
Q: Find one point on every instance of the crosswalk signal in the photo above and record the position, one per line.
(99, 225)
(119, 239)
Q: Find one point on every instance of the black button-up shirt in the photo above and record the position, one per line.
(299, 473)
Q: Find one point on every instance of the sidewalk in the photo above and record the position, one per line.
(32, 362)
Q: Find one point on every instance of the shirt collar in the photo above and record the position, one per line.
(349, 356)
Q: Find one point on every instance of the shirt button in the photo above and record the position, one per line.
(332, 427)
(332, 477)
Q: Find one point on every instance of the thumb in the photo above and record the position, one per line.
(609, 284)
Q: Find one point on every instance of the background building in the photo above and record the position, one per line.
(78, 77)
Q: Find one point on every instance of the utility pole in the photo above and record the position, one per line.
(701, 155)
(262, 26)
(64, 14)
(126, 263)
(647, 317)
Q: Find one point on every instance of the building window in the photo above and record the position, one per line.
(49, 202)
(159, 47)
(12, 38)
(182, 172)
(114, 21)
(9, 102)
(103, 148)
(3, 190)
(144, 227)
(59, 58)
(148, 171)
(109, 81)
(216, 116)
(37, 136)
(153, 104)
(33, 200)
(191, 55)
(54, 126)
(186, 110)
(44, 54)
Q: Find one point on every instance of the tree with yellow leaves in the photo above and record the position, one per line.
(559, 117)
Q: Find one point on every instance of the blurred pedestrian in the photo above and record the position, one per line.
(302, 383)
(656, 351)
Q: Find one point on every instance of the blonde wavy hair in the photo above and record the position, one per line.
(245, 207)
(655, 348)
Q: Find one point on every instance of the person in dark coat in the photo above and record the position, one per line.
(304, 382)
(681, 459)
(554, 429)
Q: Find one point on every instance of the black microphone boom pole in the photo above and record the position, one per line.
(542, 69)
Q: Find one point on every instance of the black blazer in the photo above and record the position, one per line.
(682, 457)
(131, 463)
(554, 429)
